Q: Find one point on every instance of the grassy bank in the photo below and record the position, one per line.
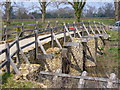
(9, 82)
(110, 60)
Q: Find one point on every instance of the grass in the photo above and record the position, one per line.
(110, 59)
(9, 82)
(106, 21)
(114, 34)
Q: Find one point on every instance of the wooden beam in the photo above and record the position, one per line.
(45, 56)
(56, 77)
(41, 47)
(111, 78)
(18, 49)
(76, 29)
(64, 35)
(68, 32)
(58, 43)
(10, 61)
(82, 81)
(36, 44)
(24, 56)
(79, 77)
(52, 38)
(14, 67)
(97, 28)
(85, 29)
(92, 29)
(72, 44)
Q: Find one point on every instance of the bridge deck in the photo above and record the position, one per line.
(29, 40)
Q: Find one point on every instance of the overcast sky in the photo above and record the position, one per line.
(29, 4)
(96, 4)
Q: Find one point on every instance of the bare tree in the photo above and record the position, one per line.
(78, 6)
(90, 11)
(0, 23)
(117, 10)
(43, 5)
(109, 10)
(7, 11)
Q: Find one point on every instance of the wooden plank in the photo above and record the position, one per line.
(4, 32)
(78, 32)
(64, 35)
(14, 67)
(56, 77)
(58, 43)
(103, 28)
(79, 77)
(85, 29)
(111, 78)
(22, 33)
(45, 56)
(24, 57)
(92, 30)
(9, 61)
(82, 81)
(72, 44)
(97, 28)
(52, 38)
(3, 64)
(68, 32)
(103, 41)
(36, 44)
(41, 47)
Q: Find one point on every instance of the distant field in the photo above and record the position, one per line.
(106, 21)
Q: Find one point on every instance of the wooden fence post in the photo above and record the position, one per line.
(110, 81)
(52, 38)
(74, 29)
(4, 33)
(48, 25)
(56, 79)
(10, 61)
(65, 61)
(64, 36)
(88, 26)
(18, 49)
(84, 43)
(8, 58)
(22, 28)
(36, 26)
(36, 43)
(96, 47)
(81, 82)
(56, 24)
